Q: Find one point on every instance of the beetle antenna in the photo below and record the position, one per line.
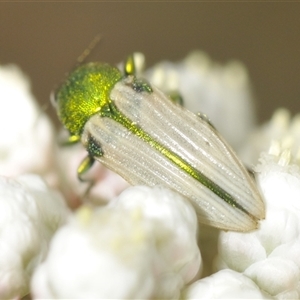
(82, 57)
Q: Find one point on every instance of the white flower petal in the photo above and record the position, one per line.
(239, 251)
(27, 135)
(288, 251)
(176, 215)
(225, 284)
(281, 133)
(29, 215)
(275, 275)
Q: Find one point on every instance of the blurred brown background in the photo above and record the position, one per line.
(45, 38)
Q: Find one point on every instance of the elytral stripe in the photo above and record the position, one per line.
(112, 112)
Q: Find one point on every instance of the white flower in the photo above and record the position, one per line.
(27, 136)
(29, 215)
(140, 250)
(270, 255)
(282, 132)
(223, 93)
(225, 284)
(167, 210)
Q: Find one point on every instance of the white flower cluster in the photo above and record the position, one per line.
(30, 213)
(270, 256)
(280, 135)
(143, 243)
(264, 264)
(131, 249)
(27, 135)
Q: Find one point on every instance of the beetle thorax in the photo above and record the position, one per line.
(85, 92)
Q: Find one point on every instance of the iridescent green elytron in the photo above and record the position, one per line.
(86, 93)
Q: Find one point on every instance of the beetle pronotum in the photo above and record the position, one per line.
(134, 129)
